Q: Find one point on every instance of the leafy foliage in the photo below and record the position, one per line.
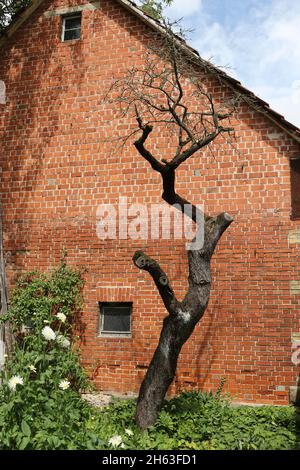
(203, 421)
(40, 404)
(9, 10)
(155, 8)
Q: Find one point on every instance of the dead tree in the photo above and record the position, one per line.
(157, 94)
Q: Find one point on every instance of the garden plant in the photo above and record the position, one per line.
(41, 404)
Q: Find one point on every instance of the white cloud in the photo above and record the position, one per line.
(284, 100)
(215, 45)
(277, 59)
(296, 92)
(184, 8)
(261, 45)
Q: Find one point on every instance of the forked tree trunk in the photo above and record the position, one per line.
(181, 321)
(183, 316)
(159, 95)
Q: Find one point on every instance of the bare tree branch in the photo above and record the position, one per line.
(168, 95)
(142, 261)
(139, 144)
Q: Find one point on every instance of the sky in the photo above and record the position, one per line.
(258, 41)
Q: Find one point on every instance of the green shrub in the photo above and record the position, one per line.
(202, 421)
(40, 404)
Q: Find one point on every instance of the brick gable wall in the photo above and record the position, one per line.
(57, 168)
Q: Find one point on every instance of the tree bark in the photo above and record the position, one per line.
(181, 321)
(183, 316)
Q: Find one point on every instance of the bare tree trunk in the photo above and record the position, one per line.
(159, 96)
(183, 316)
(181, 321)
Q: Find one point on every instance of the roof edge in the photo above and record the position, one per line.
(252, 100)
(249, 97)
(20, 19)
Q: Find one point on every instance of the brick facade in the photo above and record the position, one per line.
(57, 168)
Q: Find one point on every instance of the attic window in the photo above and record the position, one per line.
(71, 27)
(295, 188)
(115, 318)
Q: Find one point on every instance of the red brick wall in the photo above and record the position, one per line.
(57, 168)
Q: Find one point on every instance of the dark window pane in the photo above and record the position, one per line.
(72, 34)
(116, 317)
(295, 188)
(73, 23)
(71, 28)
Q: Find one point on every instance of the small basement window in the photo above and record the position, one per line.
(115, 318)
(295, 188)
(71, 27)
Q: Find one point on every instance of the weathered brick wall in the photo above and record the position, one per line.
(57, 168)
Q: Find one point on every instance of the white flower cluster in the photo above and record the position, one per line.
(117, 441)
(14, 381)
(64, 384)
(50, 335)
(17, 380)
(61, 316)
(63, 342)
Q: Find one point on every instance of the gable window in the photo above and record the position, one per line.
(295, 188)
(115, 318)
(71, 27)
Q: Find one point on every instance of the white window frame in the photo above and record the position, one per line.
(70, 17)
(114, 334)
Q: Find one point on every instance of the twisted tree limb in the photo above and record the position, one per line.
(158, 94)
(183, 316)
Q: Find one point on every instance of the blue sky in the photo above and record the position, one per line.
(259, 40)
